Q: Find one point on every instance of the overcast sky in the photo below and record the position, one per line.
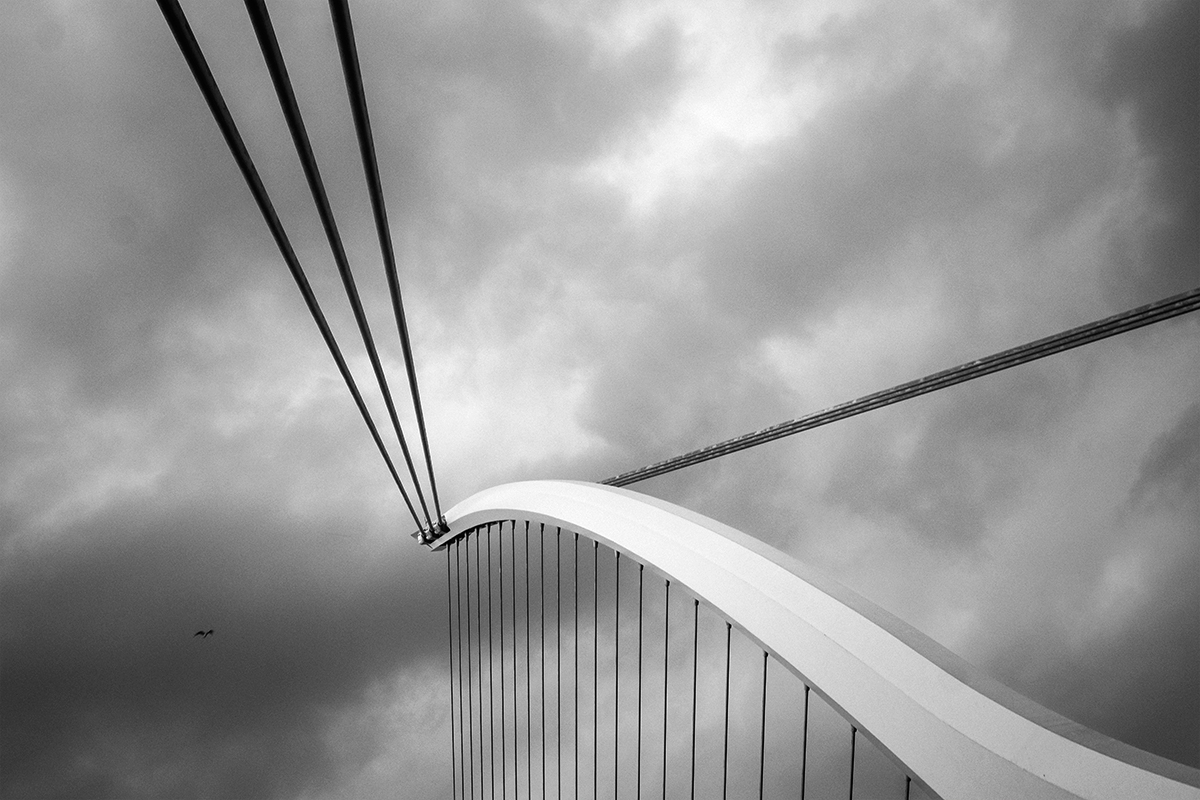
(625, 229)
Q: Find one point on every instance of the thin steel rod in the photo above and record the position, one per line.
(666, 660)
(616, 669)
(344, 31)
(516, 694)
(503, 690)
(542, 637)
(491, 671)
(190, 49)
(762, 742)
(528, 678)
(595, 668)
(804, 751)
(695, 663)
(558, 652)
(1031, 351)
(725, 746)
(641, 569)
(265, 32)
(470, 691)
(450, 672)
(460, 585)
(576, 587)
(479, 650)
(853, 739)
(907, 786)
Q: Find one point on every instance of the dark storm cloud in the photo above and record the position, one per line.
(695, 383)
(105, 685)
(921, 156)
(119, 183)
(898, 178)
(1171, 470)
(1155, 70)
(960, 475)
(921, 146)
(542, 94)
(987, 174)
(176, 452)
(508, 98)
(132, 210)
(818, 218)
(1138, 684)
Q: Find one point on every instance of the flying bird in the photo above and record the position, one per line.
(202, 634)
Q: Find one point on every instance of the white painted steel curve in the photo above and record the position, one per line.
(956, 732)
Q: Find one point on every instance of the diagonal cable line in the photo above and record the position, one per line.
(188, 45)
(269, 44)
(1031, 351)
(340, 11)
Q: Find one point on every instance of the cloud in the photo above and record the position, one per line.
(508, 101)
(1000, 194)
(101, 667)
(625, 231)
(1086, 570)
(1140, 620)
(1149, 71)
(1172, 467)
(111, 164)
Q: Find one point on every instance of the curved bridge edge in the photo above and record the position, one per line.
(955, 730)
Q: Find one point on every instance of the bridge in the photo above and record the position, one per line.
(559, 692)
(603, 643)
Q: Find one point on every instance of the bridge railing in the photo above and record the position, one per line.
(579, 668)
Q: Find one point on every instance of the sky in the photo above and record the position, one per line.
(625, 230)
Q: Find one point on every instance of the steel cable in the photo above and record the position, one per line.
(666, 661)
(576, 649)
(503, 719)
(344, 30)
(528, 678)
(641, 568)
(558, 650)
(450, 673)
(853, 741)
(462, 728)
(516, 692)
(470, 688)
(479, 651)
(695, 667)
(542, 637)
(725, 744)
(260, 19)
(804, 752)
(762, 742)
(1031, 351)
(595, 669)
(491, 670)
(190, 49)
(616, 670)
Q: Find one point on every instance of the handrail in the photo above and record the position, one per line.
(957, 732)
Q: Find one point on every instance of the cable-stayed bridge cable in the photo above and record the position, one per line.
(1031, 351)
(190, 49)
(269, 44)
(344, 31)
